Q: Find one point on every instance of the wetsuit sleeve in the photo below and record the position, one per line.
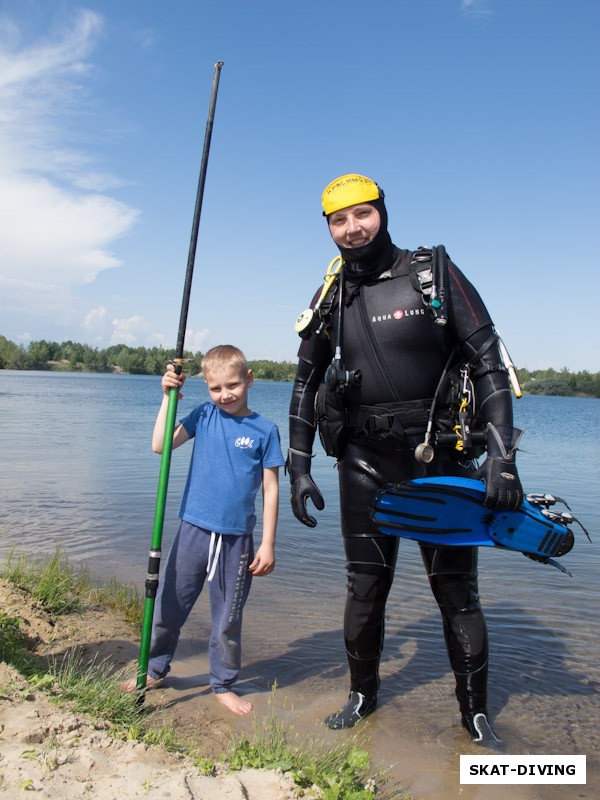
(479, 346)
(492, 389)
(474, 331)
(314, 357)
(467, 310)
(490, 377)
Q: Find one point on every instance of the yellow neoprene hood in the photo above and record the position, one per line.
(348, 190)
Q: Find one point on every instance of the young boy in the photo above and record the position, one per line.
(235, 452)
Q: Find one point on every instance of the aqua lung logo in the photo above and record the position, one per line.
(245, 442)
(398, 314)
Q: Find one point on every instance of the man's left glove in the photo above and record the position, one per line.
(302, 487)
(499, 471)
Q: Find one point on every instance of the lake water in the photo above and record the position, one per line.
(77, 471)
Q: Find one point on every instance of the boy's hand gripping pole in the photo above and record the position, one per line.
(165, 464)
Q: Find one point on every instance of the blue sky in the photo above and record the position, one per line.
(479, 118)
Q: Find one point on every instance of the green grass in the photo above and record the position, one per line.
(13, 646)
(12, 641)
(61, 589)
(341, 772)
(93, 688)
(88, 687)
(52, 582)
(125, 600)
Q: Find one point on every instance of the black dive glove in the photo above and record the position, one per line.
(303, 487)
(499, 471)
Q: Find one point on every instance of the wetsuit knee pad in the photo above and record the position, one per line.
(456, 594)
(370, 586)
(369, 581)
(370, 564)
(464, 624)
(364, 626)
(452, 575)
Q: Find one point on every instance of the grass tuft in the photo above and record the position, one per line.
(61, 589)
(339, 772)
(93, 688)
(13, 646)
(52, 582)
(114, 596)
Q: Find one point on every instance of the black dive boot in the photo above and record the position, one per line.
(471, 692)
(479, 729)
(358, 707)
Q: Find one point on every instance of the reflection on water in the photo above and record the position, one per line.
(77, 472)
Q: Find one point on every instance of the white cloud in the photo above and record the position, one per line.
(477, 9)
(98, 324)
(194, 340)
(132, 331)
(54, 238)
(95, 316)
(58, 224)
(135, 332)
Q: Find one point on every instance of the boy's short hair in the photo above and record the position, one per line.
(224, 356)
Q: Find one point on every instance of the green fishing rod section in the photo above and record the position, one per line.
(165, 463)
(151, 584)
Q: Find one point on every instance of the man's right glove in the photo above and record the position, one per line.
(499, 471)
(303, 487)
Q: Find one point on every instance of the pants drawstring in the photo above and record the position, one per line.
(213, 553)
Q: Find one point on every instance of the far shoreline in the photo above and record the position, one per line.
(63, 367)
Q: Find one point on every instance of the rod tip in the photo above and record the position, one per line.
(218, 65)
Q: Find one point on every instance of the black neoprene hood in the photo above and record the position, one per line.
(375, 257)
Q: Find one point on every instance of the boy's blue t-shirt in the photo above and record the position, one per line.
(226, 468)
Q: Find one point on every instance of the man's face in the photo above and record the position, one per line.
(354, 226)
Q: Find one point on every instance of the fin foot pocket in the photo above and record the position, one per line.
(566, 545)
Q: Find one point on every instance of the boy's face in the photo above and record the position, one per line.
(228, 389)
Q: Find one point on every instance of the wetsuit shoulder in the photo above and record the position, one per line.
(468, 312)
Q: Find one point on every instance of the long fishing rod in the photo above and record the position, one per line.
(165, 463)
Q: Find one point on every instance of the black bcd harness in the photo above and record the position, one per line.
(450, 416)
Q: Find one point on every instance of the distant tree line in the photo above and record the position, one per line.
(74, 357)
(560, 382)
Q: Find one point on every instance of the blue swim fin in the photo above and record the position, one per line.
(449, 511)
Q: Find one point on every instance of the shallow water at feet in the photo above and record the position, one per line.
(77, 472)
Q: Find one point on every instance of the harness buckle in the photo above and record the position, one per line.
(381, 424)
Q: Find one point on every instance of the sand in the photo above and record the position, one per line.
(58, 754)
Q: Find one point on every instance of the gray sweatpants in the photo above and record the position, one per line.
(179, 587)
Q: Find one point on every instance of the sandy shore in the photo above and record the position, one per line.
(59, 754)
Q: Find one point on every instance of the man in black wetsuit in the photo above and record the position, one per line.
(376, 334)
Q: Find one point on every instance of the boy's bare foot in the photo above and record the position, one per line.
(234, 703)
(151, 683)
